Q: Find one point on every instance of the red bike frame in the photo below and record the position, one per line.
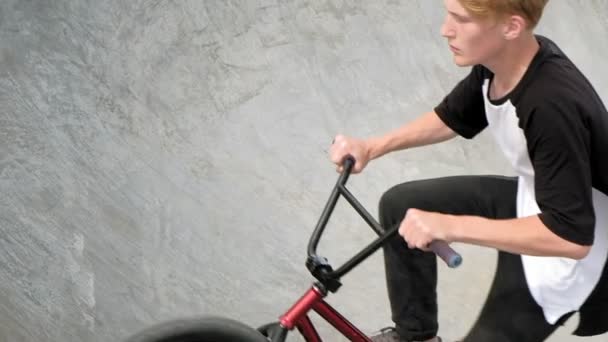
(297, 317)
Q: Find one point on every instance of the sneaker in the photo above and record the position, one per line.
(389, 334)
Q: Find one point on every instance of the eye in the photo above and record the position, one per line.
(462, 20)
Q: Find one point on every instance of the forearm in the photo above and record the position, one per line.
(425, 130)
(526, 235)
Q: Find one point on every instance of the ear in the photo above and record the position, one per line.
(513, 27)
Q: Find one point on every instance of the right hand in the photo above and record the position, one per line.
(343, 146)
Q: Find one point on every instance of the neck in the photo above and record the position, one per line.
(511, 63)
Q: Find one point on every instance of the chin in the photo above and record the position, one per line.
(462, 61)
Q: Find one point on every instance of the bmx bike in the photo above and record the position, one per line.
(220, 329)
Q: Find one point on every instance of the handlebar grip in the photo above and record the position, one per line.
(349, 163)
(446, 253)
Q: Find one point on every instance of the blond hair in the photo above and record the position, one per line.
(531, 10)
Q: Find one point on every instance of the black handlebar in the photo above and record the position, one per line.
(319, 266)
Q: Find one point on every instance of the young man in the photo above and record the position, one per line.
(549, 223)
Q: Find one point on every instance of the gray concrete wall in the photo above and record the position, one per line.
(162, 159)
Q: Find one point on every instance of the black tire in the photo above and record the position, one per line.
(206, 329)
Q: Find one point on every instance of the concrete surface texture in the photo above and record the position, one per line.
(165, 159)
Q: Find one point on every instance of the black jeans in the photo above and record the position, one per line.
(510, 314)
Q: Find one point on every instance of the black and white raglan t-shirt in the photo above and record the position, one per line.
(553, 128)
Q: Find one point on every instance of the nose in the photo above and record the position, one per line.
(447, 30)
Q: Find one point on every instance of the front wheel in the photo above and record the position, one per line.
(206, 329)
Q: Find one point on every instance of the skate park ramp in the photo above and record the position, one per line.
(167, 159)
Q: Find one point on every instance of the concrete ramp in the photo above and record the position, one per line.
(162, 159)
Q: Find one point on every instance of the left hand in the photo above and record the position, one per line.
(419, 228)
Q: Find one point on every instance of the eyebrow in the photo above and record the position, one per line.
(459, 16)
